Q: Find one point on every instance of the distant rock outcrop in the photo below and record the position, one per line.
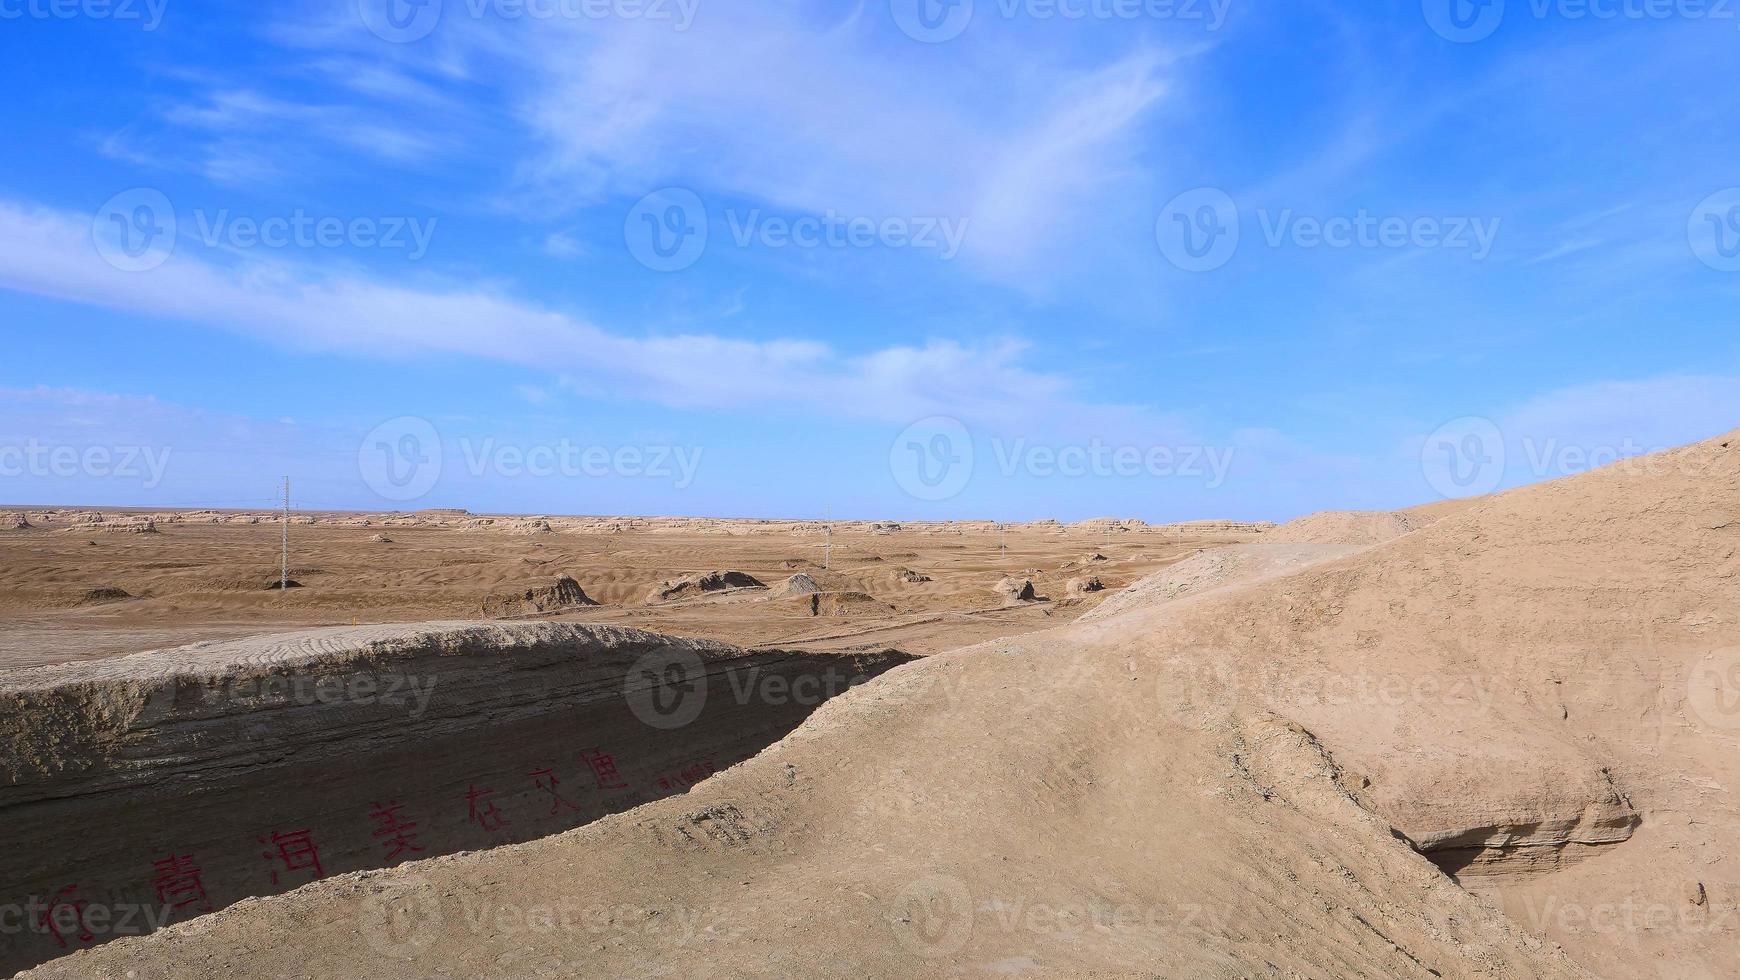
(799, 584)
(1084, 586)
(1016, 590)
(693, 585)
(566, 593)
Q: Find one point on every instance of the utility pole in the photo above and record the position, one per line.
(284, 569)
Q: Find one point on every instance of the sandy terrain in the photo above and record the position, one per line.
(198, 580)
(1487, 740)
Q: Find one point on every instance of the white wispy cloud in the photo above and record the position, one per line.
(51, 253)
(797, 106)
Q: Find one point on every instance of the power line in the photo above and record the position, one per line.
(284, 571)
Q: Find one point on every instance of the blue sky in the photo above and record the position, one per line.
(945, 270)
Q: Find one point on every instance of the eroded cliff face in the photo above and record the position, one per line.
(150, 789)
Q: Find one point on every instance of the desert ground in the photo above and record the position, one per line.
(82, 583)
(1488, 738)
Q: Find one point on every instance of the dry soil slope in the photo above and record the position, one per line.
(1284, 550)
(995, 811)
(1055, 803)
(1546, 679)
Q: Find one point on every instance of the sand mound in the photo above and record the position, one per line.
(14, 522)
(690, 586)
(566, 593)
(1347, 527)
(1085, 586)
(911, 577)
(104, 594)
(1016, 590)
(798, 585)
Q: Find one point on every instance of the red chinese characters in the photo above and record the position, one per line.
(398, 834)
(603, 767)
(292, 851)
(178, 883)
(488, 815)
(688, 777)
(50, 920)
(546, 780)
